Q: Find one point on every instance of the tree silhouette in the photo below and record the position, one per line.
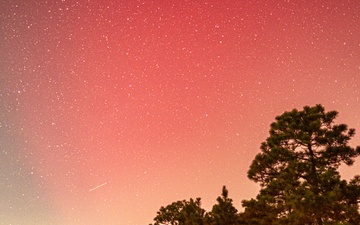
(297, 171)
(224, 212)
(181, 213)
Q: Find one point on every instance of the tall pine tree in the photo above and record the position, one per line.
(298, 172)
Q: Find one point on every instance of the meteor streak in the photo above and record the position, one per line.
(98, 186)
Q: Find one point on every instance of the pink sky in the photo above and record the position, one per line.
(151, 102)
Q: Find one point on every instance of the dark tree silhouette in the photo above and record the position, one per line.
(298, 172)
(181, 213)
(224, 212)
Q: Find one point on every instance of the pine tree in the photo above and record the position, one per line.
(224, 212)
(298, 172)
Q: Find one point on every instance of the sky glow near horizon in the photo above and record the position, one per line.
(111, 109)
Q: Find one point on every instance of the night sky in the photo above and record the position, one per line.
(111, 109)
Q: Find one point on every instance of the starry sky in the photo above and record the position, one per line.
(111, 109)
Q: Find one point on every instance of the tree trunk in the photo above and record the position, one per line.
(314, 179)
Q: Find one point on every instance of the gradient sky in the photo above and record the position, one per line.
(111, 109)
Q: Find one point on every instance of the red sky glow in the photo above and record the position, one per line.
(111, 109)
